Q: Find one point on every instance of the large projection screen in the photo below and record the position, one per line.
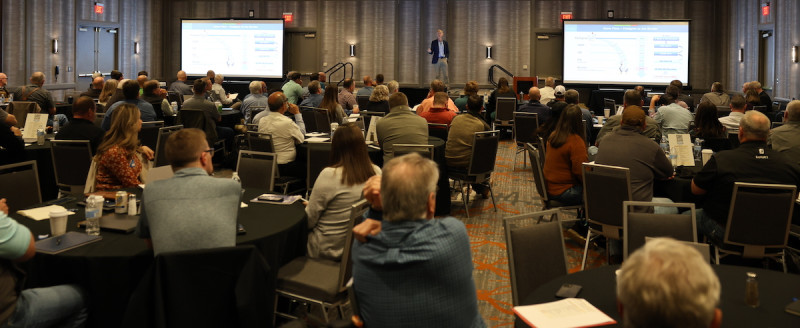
(232, 47)
(626, 52)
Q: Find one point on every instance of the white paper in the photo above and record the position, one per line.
(372, 135)
(569, 312)
(681, 145)
(42, 213)
(233, 96)
(318, 139)
(33, 122)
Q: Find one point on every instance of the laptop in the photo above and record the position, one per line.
(116, 222)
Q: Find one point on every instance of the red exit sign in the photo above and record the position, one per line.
(765, 9)
(98, 8)
(566, 15)
(288, 17)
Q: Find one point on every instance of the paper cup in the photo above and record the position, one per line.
(706, 153)
(58, 223)
(600, 119)
(607, 112)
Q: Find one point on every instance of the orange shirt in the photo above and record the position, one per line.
(438, 115)
(117, 169)
(562, 165)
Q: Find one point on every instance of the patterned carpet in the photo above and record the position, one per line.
(514, 193)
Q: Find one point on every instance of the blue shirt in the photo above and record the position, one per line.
(147, 111)
(416, 274)
(441, 49)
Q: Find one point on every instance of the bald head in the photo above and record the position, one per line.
(37, 78)
(181, 76)
(754, 126)
(3, 79)
(98, 83)
(534, 94)
(141, 79)
(277, 101)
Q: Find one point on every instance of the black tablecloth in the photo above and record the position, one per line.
(230, 118)
(44, 166)
(110, 270)
(776, 291)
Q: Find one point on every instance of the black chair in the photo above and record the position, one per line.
(481, 165)
(175, 97)
(71, 162)
(504, 112)
(605, 188)
(255, 110)
(610, 104)
(403, 149)
(163, 133)
(157, 108)
(309, 119)
(322, 120)
(199, 119)
(716, 144)
(262, 142)
(529, 269)
(319, 157)
(723, 111)
(640, 225)
(733, 138)
(148, 135)
(438, 130)
(19, 185)
(362, 101)
(541, 184)
(368, 117)
(20, 110)
(257, 169)
(98, 119)
(758, 222)
(762, 109)
(525, 126)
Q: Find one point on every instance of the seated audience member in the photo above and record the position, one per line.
(256, 98)
(752, 99)
(285, 133)
(82, 127)
(682, 99)
(436, 86)
(191, 210)
(96, 88)
(293, 89)
(116, 75)
(787, 136)
(409, 248)
(751, 162)
(566, 152)
(731, 122)
(141, 79)
(157, 97)
(400, 126)
(717, 96)
(458, 149)
(130, 90)
(559, 94)
(503, 90)
(535, 106)
(631, 98)
(218, 93)
(199, 102)
(648, 295)
(366, 90)
(109, 88)
(439, 113)
(707, 123)
(36, 92)
(470, 89)
(312, 78)
(378, 100)
(314, 97)
(7, 118)
(57, 306)
(671, 116)
(548, 93)
(379, 79)
(393, 87)
(336, 189)
(5, 90)
(180, 85)
(346, 97)
(572, 97)
(12, 147)
(119, 156)
(331, 103)
(763, 97)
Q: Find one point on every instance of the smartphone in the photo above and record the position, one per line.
(568, 291)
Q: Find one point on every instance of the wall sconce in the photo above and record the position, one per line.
(136, 48)
(610, 14)
(489, 52)
(352, 50)
(794, 54)
(55, 46)
(741, 55)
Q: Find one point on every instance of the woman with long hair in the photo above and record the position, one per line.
(706, 122)
(378, 100)
(330, 101)
(752, 98)
(337, 188)
(119, 156)
(503, 90)
(566, 151)
(108, 90)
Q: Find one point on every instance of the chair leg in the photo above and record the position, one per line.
(716, 255)
(465, 198)
(491, 193)
(586, 249)
(783, 261)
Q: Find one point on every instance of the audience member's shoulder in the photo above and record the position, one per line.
(451, 224)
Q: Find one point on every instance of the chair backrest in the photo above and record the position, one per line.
(257, 169)
(255, 110)
(99, 108)
(319, 157)
(322, 120)
(148, 135)
(173, 96)
(762, 108)
(163, 133)
(638, 225)
(538, 175)
(157, 108)
(368, 116)
(776, 124)
(362, 101)
(438, 130)
(505, 108)
(309, 118)
(20, 110)
(71, 162)
(346, 264)
(723, 111)
(403, 149)
(484, 153)
(759, 216)
(98, 119)
(530, 269)
(717, 144)
(609, 104)
(19, 185)
(199, 119)
(733, 138)
(605, 188)
(525, 126)
(260, 142)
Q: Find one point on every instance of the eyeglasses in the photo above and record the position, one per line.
(210, 151)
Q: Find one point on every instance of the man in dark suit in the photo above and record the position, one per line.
(440, 52)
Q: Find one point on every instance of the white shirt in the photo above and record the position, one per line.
(285, 134)
(548, 94)
(731, 122)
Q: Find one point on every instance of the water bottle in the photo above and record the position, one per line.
(751, 290)
(698, 148)
(94, 209)
(10, 97)
(174, 105)
(2, 99)
(665, 144)
(56, 125)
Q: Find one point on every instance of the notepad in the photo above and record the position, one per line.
(33, 122)
(65, 242)
(569, 312)
(42, 213)
(318, 139)
(276, 199)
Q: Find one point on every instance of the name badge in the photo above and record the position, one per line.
(133, 163)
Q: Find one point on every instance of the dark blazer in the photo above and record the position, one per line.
(435, 50)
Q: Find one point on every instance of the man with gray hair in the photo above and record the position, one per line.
(648, 297)
(36, 92)
(751, 162)
(393, 86)
(787, 136)
(180, 85)
(549, 91)
(314, 97)
(410, 246)
(256, 98)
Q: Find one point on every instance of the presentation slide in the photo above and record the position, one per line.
(233, 48)
(626, 52)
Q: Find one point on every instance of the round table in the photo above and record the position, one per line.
(776, 289)
(110, 270)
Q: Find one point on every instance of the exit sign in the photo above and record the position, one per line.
(566, 15)
(765, 9)
(288, 17)
(98, 8)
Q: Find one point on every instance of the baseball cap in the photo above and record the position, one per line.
(560, 90)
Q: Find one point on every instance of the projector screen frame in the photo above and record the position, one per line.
(237, 77)
(686, 84)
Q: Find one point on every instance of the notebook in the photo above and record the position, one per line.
(65, 242)
(33, 122)
(116, 222)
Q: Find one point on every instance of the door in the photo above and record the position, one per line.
(548, 58)
(303, 55)
(96, 52)
(766, 60)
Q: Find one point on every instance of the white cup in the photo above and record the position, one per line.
(355, 109)
(607, 112)
(58, 223)
(600, 119)
(706, 153)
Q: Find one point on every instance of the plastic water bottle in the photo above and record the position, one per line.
(751, 290)
(2, 99)
(56, 125)
(174, 105)
(698, 148)
(665, 144)
(10, 97)
(94, 209)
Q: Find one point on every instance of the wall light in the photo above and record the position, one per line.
(794, 54)
(489, 52)
(741, 55)
(136, 48)
(55, 46)
(352, 50)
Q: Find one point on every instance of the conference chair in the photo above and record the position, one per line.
(403, 149)
(541, 184)
(19, 185)
(255, 110)
(639, 225)
(319, 157)
(723, 111)
(762, 109)
(438, 130)
(20, 110)
(525, 126)
(71, 162)
(323, 120)
(536, 252)
(157, 108)
(148, 135)
(368, 117)
(98, 119)
(320, 282)
(733, 138)
(605, 188)
(504, 112)
(362, 101)
(256, 169)
(611, 105)
(173, 96)
(163, 133)
(262, 142)
(309, 119)
(766, 236)
(481, 165)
